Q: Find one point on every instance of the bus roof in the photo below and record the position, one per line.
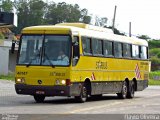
(83, 30)
(87, 26)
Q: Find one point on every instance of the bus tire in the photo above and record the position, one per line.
(124, 90)
(39, 98)
(83, 95)
(131, 90)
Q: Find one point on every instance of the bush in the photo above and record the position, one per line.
(155, 63)
(154, 44)
(1, 36)
(154, 52)
(7, 77)
(158, 55)
(153, 74)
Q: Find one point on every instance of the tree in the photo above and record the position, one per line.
(7, 6)
(85, 18)
(154, 44)
(50, 14)
(154, 53)
(74, 14)
(146, 37)
(22, 7)
(63, 12)
(116, 31)
(98, 21)
(104, 21)
(29, 13)
(37, 12)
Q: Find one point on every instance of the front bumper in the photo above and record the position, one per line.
(43, 90)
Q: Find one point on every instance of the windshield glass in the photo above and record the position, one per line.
(56, 50)
(47, 50)
(30, 50)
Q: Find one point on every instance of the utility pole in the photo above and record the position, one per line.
(114, 17)
(130, 33)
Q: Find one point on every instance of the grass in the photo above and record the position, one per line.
(7, 77)
(153, 82)
(154, 78)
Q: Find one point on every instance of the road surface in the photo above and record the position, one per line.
(145, 102)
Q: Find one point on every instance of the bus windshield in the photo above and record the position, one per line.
(50, 50)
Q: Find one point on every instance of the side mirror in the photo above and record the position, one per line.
(13, 47)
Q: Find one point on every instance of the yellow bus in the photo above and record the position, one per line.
(80, 60)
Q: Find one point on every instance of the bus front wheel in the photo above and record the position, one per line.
(83, 95)
(39, 98)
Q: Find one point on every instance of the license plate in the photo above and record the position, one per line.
(40, 92)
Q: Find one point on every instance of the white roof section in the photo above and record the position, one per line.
(102, 34)
(87, 26)
(91, 31)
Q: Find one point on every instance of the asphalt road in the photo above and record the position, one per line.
(145, 102)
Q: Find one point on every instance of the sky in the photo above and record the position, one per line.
(143, 14)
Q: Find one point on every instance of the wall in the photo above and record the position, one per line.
(12, 61)
(4, 58)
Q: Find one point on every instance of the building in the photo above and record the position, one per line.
(7, 59)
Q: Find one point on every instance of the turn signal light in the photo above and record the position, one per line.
(68, 82)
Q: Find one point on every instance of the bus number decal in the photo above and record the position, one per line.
(22, 73)
(56, 74)
(101, 65)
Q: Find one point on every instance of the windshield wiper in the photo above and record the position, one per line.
(46, 56)
(49, 60)
(36, 57)
(29, 63)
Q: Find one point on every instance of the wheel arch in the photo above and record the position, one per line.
(135, 84)
(127, 81)
(88, 86)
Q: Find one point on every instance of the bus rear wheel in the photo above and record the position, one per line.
(83, 95)
(124, 91)
(39, 98)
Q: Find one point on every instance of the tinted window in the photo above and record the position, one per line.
(108, 48)
(56, 50)
(97, 46)
(126, 50)
(30, 49)
(118, 49)
(86, 45)
(45, 50)
(135, 51)
(143, 52)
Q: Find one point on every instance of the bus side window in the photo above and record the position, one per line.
(97, 47)
(126, 50)
(108, 48)
(135, 51)
(143, 52)
(118, 49)
(86, 46)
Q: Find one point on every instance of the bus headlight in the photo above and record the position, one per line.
(63, 82)
(20, 80)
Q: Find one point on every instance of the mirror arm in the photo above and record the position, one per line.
(13, 45)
